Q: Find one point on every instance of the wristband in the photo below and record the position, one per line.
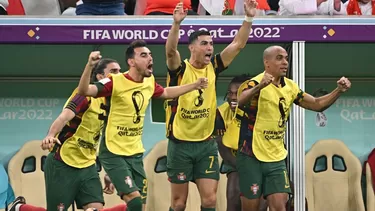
(248, 19)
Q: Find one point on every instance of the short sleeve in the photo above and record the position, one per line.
(218, 64)
(78, 104)
(299, 94)
(158, 91)
(105, 87)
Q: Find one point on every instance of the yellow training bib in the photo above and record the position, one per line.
(80, 150)
(273, 110)
(128, 106)
(195, 116)
(232, 126)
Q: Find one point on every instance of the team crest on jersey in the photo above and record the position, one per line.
(129, 181)
(181, 176)
(60, 207)
(254, 189)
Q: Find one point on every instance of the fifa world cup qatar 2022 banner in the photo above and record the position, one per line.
(155, 30)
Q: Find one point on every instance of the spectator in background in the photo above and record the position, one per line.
(39, 7)
(100, 7)
(274, 5)
(262, 8)
(361, 7)
(230, 7)
(130, 6)
(311, 7)
(3, 7)
(33, 7)
(162, 7)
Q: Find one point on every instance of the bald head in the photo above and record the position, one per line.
(275, 59)
(272, 51)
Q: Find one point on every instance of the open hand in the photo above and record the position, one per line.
(250, 7)
(179, 14)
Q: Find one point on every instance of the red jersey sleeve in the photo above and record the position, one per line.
(158, 91)
(105, 87)
(78, 104)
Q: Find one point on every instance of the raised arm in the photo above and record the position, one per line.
(172, 54)
(241, 38)
(176, 91)
(320, 104)
(84, 87)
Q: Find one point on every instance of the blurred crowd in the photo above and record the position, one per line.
(194, 7)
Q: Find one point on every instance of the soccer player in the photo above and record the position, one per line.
(70, 170)
(266, 101)
(228, 131)
(128, 95)
(192, 153)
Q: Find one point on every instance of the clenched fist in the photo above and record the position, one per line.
(343, 84)
(94, 58)
(48, 142)
(201, 83)
(266, 80)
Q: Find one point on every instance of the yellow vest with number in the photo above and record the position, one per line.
(128, 106)
(232, 127)
(195, 117)
(79, 151)
(274, 106)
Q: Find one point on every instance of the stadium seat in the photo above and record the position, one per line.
(333, 178)
(370, 199)
(26, 173)
(159, 196)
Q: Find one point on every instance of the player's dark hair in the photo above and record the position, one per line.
(99, 68)
(238, 80)
(194, 36)
(129, 54)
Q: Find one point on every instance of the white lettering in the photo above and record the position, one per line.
(151, 34)
(351, 116)
(96, 34)
(181, 33)
(135, 34)
(118, 34)
(266, 32)
(28, 102)
(368, 103)
(86, 34)
(219, 33)
(354, 102)
(30, 114)
(164, 34)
